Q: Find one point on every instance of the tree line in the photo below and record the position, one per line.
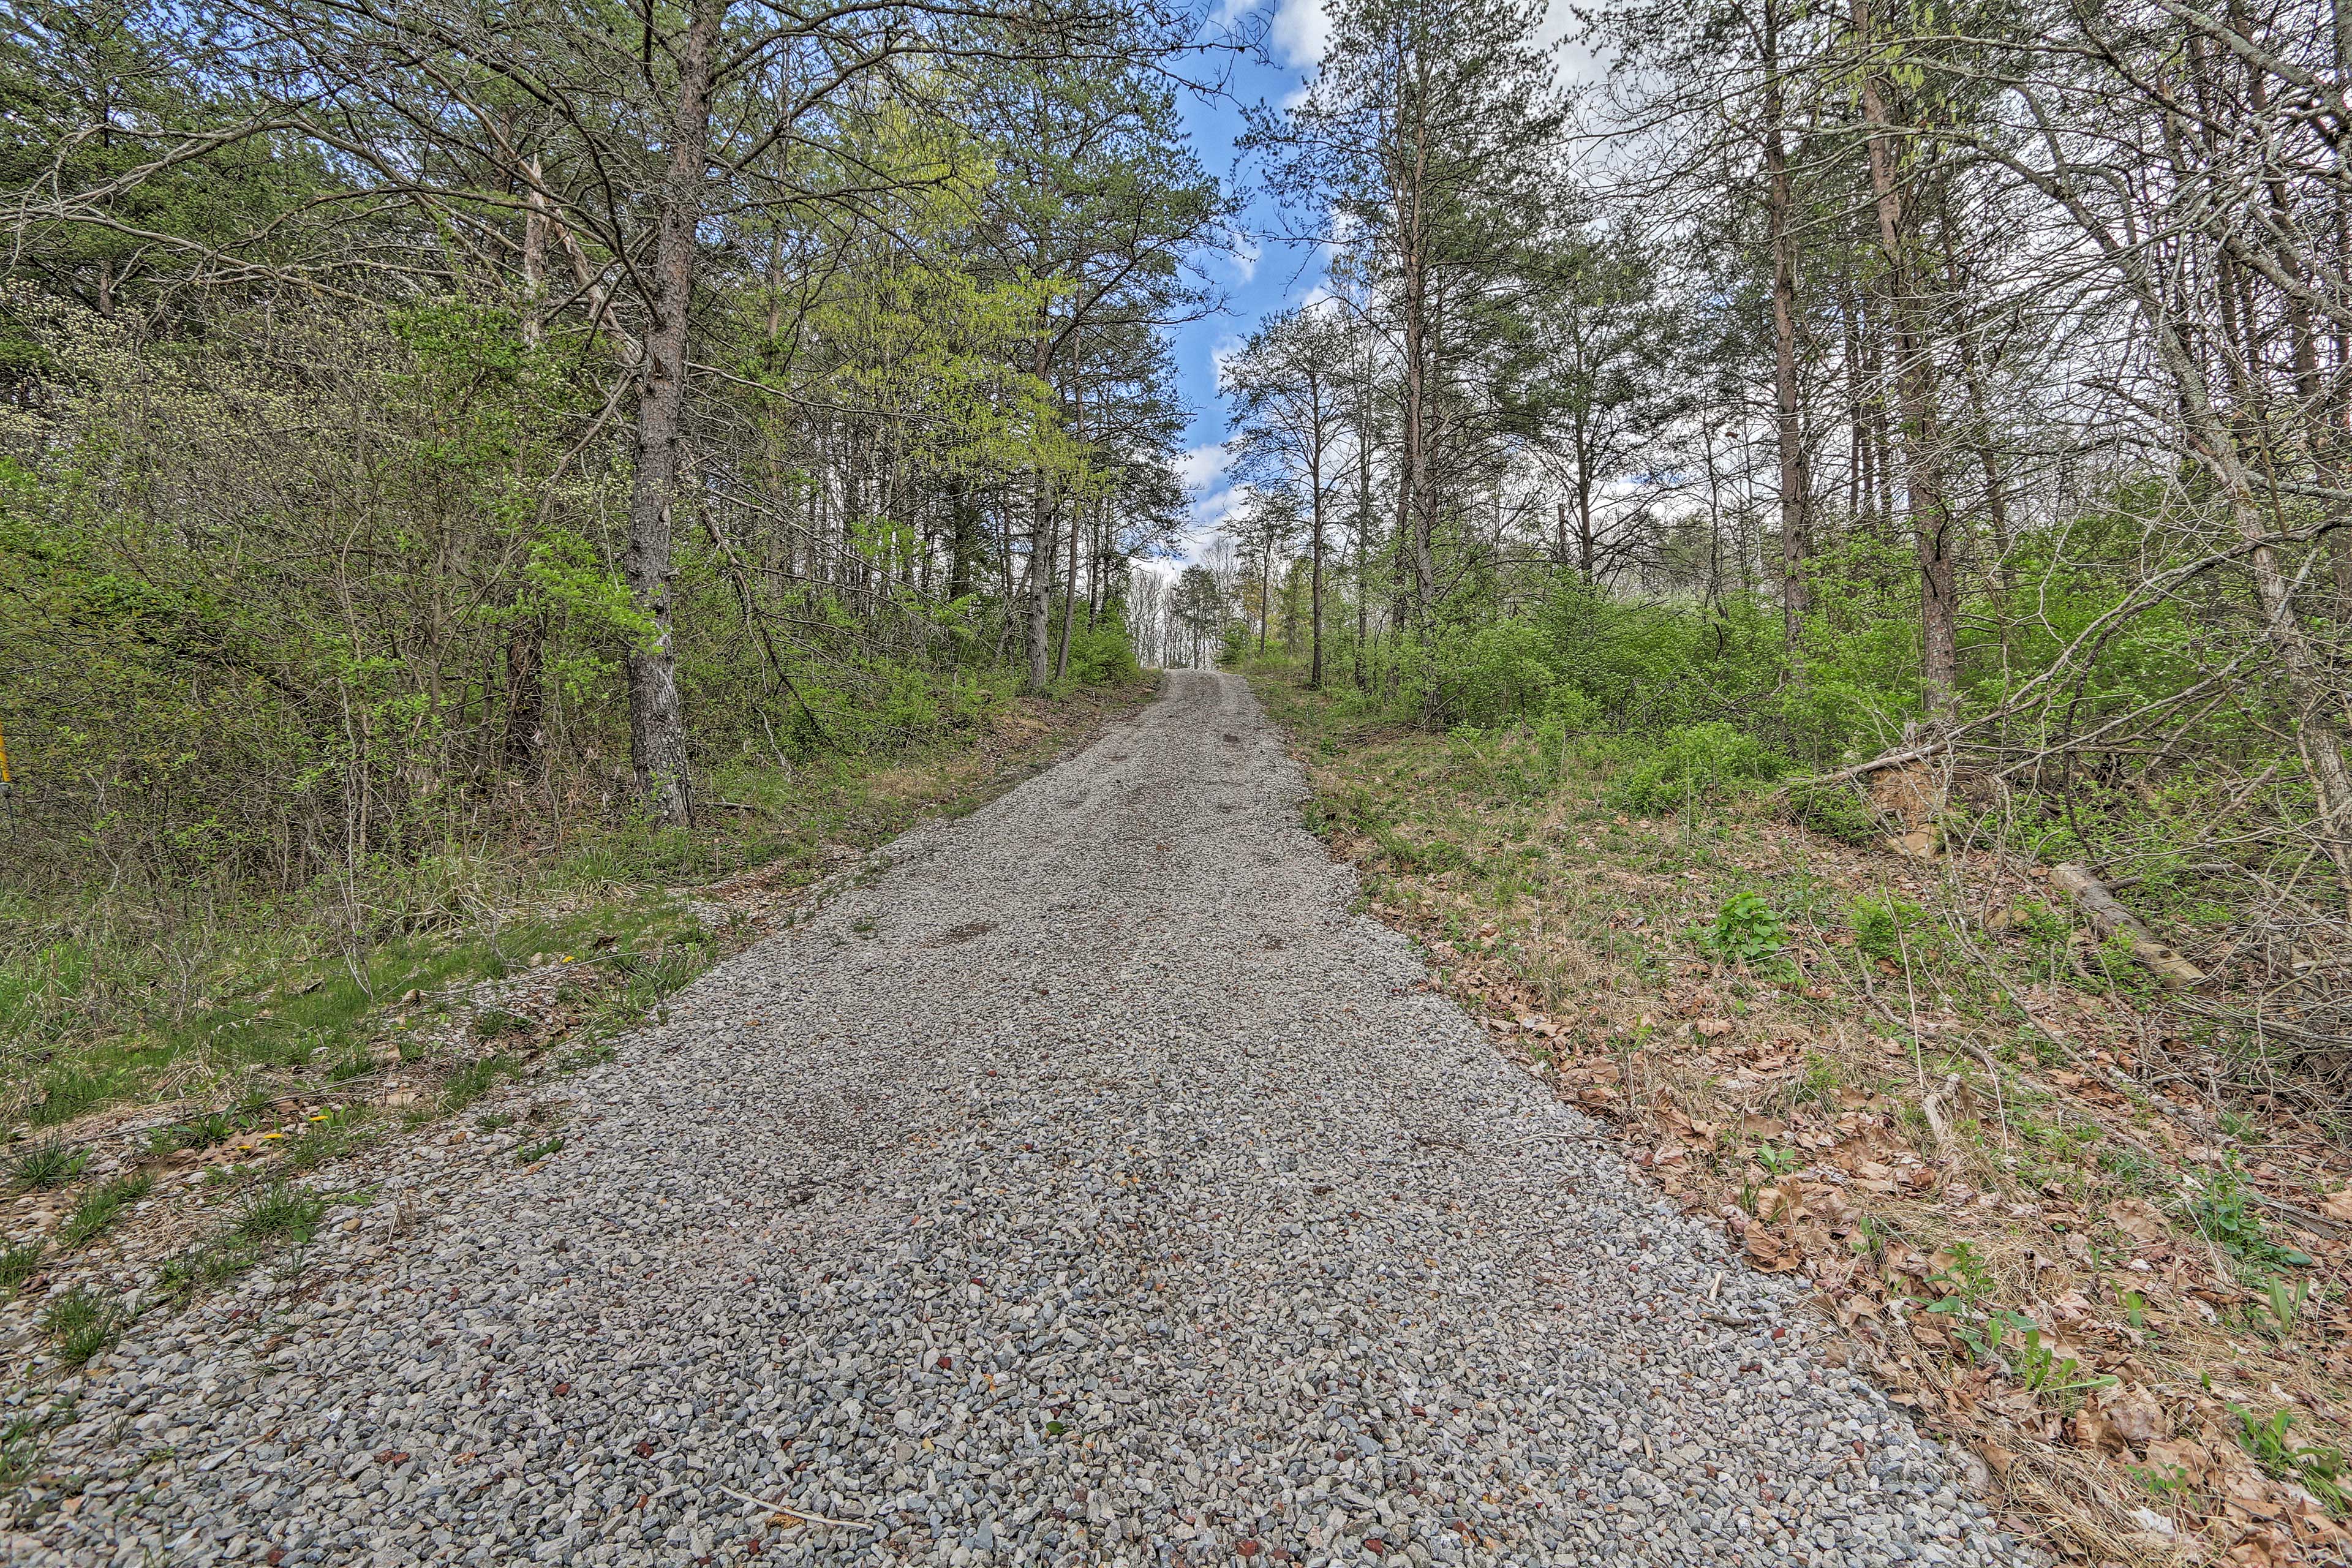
(1826, 390)
(423, 419)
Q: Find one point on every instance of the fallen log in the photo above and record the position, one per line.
(2110, 918)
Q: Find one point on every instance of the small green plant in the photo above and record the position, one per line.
(329, 1135)
(103, 1205)
(2223, 1210)
(81, 1323)
(493, 1121)
(490, 1022)
(357, 1062)
(2130, 1166)
(2171, 1485)
(1748, 930)
(2043, 925)
(203, 1267)
(2278, 1308)
(1777, 1160)
(49, 1164)
(539, 1151)
(20, 1441)
(1880, 924)
(1820, 1083)
(2318, 1469)
(2050, 1377)
(278, 1214)
(475, 1079)
(1964, 1284)
(18, 1263)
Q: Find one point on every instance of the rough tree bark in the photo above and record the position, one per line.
(1796, 477)
(1934, 528)
(657, 722)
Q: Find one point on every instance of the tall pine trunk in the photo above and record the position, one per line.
(1796, 477)
(657, 722)
(1934, 530)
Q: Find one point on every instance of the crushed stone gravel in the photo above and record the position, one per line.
(1087, 1186)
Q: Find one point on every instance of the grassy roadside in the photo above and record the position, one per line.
(1972, 1129)
(169, 1089)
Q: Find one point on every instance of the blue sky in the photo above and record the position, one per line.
(1268, 275)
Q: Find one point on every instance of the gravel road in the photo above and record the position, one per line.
(1089, 1185)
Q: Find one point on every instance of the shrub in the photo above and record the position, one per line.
(1102, 653)
(1836, 810)
(1879, 925)
(1698, 761)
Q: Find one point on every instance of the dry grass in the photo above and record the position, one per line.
(1924, 1092)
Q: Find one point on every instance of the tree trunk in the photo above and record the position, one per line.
(534, 252)
(526, 727)
(1932, 525)
(1042, 539)
(1314, 584)
(656, 723)
(1796, 478)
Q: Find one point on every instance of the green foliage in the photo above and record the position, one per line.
(81, 1323)
(475, 1079)
(2317, 1468)
(1880, 925)
(2223, 1213)
(1836, 810)
(1702, 762)
(1102, 654)
(279, 1215)
(18, 1263)
(1748, 930)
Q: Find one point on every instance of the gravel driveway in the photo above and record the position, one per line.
(1088, 1186)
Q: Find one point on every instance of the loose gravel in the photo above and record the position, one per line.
(1088, 1185)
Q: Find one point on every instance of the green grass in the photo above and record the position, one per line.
(331, 1135)
(49, 1164)
(206, 1266)
(280, 1214)
(539, 1151)
(81, 1322)
(102, 1204)
(475, 1079)
(20, 1262)
(119, 1013)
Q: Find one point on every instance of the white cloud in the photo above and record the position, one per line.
(1227, 345)
(1243, 262)
(1300, 32)
(1201, 469)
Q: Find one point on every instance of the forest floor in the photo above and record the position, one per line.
(1974, 1134)
(168, 1084)
(1087, 1180)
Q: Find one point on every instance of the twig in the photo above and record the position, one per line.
(796, 1513)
